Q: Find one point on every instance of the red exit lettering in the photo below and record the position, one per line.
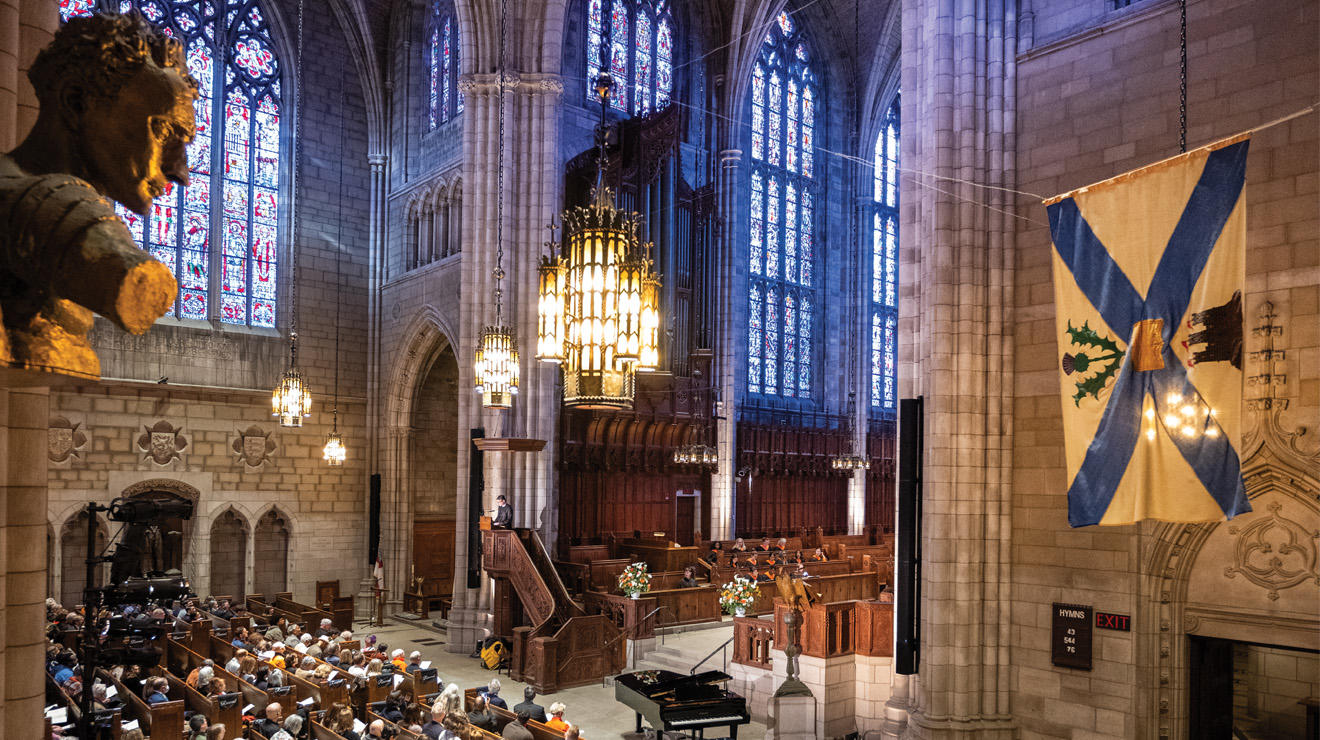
(1120, 622)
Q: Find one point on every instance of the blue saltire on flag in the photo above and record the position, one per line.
(1148, 278)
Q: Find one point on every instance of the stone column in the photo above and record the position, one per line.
(723, 480)
(957, 249)
(23, 543)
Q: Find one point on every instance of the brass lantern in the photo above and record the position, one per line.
(292, 401)
(599, 313)
(334, 452)
(497, 367)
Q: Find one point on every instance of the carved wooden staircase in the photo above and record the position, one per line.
(563, 646)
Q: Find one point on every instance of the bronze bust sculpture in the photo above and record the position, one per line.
(116, 115)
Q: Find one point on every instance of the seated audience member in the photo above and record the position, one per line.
(216, 687)
(819, 555)
(448, 714)
(293, 724)
(156, 689)
(359, 667)
(197, 728)
(275, 679)
(317, 648)
(345, 658)
(327, 629)
(273, 722)
(375, 667)
(234, 665)
(759, 576)
(242, 639)
(340, 722)
(556, 721)
(306, 669)
(572, 733)
(64, 666)
(481, 716)
(534, 710)
(393, 709)
(689, 579)
(764, 546)
(261, 678)
(781, 544)
(322, 672)
(224, 611)
(194, 676)
(713, 557)
(376, 729)
(397, 659)
(282, 734)
(136, 734)
(739, 545)
(414, 662)
(517, 728)
(492, 694)
(247, 668)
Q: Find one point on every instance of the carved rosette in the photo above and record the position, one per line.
(253, 447)
(1274, 552)
(162, 443)
(65, 440)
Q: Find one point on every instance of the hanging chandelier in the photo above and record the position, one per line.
(696, 454)
(598, 315)
(291, 400)
(850, 462)
(497, 365)
(334, 452)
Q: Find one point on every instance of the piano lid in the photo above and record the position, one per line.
(656, 683)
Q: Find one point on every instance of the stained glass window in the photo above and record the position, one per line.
(638, 36)
(234, 180)
(442, 64)
(884, 264)
(781, 251)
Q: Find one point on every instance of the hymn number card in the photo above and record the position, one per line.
(1070, 636)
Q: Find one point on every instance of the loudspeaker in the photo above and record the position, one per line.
(476, 487)
(373, 525)
(907, 597)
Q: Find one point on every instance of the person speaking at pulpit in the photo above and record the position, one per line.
(503, 513)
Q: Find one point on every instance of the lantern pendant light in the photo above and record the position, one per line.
(497, 366)
(291, 401)
(334, 453)
(598, 314)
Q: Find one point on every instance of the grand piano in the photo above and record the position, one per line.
(673, 702)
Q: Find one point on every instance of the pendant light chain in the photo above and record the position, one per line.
(499, 208)
(334, 453)
(1182, 77)
(297, 212)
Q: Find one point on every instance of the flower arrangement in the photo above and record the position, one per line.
(634, 579)
(738, 595)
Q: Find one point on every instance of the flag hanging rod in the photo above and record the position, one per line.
(1220, 144)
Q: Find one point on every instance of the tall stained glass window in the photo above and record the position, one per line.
(638, 36)
(781, 258)
(884, 265)
(442, 63)
(220, 235)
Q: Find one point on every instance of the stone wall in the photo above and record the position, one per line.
(1268, 686)
(1094, 104)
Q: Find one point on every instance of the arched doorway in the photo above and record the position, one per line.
(270, 554)
(228, 555)
(433, 453)
(73, 556)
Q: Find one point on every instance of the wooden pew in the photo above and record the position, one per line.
(227, 709)
(75, 714)
(504, 716)
(164, 720)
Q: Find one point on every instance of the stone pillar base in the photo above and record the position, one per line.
(793, 717)
(467, 627)
(363, 601)
(638, 650)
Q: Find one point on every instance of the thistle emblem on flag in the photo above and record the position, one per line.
(1095, 363)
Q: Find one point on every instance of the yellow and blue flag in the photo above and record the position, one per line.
(1149, 269)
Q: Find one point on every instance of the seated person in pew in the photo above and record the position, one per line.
(400, 664)
(556, 721)
(376, 729)
(358, 668)
(414, 662)
(572, 733)
(224, 610)
(394, 704)
(480, 714)
(234, 665)
(156, 689)
(781, 544)
(306, 669)
(739, 545)
(216, 687)
(273, 721)
(819, 556)
(517, 728)
(759, 576)
(492, 694)
(296, 725)
(242, 639)
(764, 546)
(689, 579)
(448, 720)
(327, 628)
(713, 557)
(534, 710)
(340, 720)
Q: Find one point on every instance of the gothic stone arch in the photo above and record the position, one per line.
(1256, 578)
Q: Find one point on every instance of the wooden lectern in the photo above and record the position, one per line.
(484, 523)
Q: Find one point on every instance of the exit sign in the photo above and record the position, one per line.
(1119, 622)
(1070, 636)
